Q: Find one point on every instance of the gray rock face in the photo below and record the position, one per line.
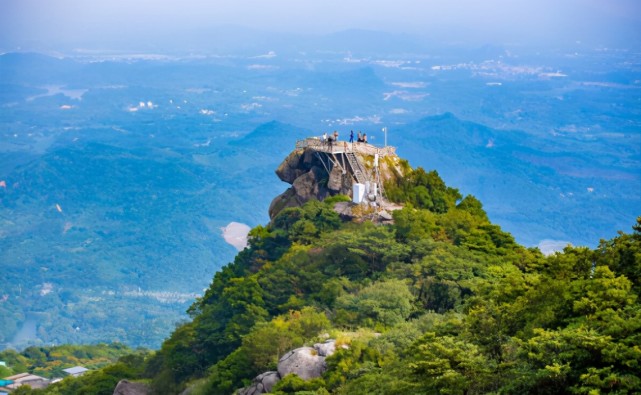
(308, 158)
(310, 179)
(335, 182)
(283, 201)
(291, 168)
(344, 209)
(304, 362)
(262, 384)
(326, 348)
(385, 216)
(125, 387)
(307, 186)
(314, 178)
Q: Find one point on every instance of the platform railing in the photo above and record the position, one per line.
(338, 147)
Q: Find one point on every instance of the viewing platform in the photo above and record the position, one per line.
(344, 147)
(318, 169)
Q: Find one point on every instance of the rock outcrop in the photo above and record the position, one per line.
(316, 172)
(126, 387)
(262, 384)
(326, 348)
(305, 362)
(310, 179)
(290, 169)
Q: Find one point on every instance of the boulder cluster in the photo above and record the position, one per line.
(305, 362)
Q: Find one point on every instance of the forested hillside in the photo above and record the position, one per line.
(117, 173)
(442, 301)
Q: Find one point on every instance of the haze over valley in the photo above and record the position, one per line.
(121, 161)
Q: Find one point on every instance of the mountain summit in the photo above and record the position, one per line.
(318, 169)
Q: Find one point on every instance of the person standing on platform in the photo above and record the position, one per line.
(351, 136)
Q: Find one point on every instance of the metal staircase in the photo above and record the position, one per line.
(357, 170)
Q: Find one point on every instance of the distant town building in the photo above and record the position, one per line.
(35, 382)
(76, 371)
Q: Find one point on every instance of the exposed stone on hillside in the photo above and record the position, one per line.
(385, 216)
(262, 384)
(126, 387)
(283, 201)
(309, 179)
(336, 181)
(291, 167)
(309, 185)
(306, 362)
(314, 178)
(303, 362)
(326, 348)
(344, 209)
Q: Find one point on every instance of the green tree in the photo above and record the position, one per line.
(414, 224)
(292, 384)
(473, 206)
(424, 190)
(384, 303)
(623, 255)
(447, 365)
(374, 245)
(229, 374)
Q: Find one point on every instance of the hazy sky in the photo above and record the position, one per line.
(58, 22)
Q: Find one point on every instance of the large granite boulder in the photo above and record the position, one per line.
(308, 186)
(335, 182)
(283, 201)
(305, 362)
(125, 387)
(304, 188)
(262, 384)
(309, 158)
(291, 168)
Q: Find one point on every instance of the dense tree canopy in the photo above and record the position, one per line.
(442, 301)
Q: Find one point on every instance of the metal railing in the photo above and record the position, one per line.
(339, 147)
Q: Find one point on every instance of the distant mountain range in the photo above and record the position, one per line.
(529, 185)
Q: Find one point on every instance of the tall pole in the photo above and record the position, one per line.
(385, 131)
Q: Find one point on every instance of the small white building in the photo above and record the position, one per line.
(76, 371)
(358, 192)
(17, 380)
